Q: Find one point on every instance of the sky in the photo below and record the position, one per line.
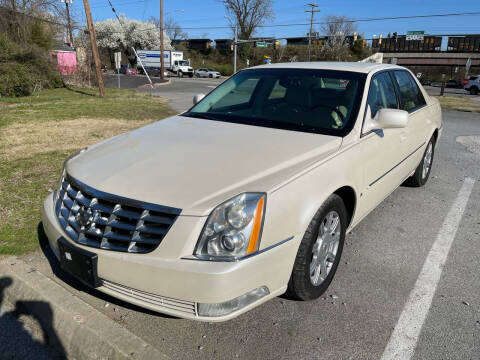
(210, 13)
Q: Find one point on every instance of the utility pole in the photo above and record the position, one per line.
(312, 11)
(68, 20)
(93, 43)
(162, 48)
(235, 51)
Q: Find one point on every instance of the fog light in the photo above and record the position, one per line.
(227, 307)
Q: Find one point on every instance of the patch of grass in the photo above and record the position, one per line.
(458, 103)
(65, 104)
(38, 132)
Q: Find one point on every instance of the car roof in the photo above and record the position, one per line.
(324, 65)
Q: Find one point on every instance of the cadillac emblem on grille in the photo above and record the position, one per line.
(84, 217)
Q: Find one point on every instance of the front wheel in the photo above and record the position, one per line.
(422, 172)
(320, 250)
(180, 74)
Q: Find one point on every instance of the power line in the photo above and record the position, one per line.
(329, 22)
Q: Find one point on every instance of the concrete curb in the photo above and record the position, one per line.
(82, 331)
(168, 82)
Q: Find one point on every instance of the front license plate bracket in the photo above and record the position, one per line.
(80, 263)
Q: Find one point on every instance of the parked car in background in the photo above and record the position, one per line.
(127, 70)
(426, 82)
(473, 85)
(249, 194)
(206, 72)
(464, 82)
(455, 84)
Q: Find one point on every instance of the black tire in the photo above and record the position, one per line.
(473, 90)
(419, 178)
(197, 75)
(180, 74)
(210, 76)
(190, 75)
(300, 285)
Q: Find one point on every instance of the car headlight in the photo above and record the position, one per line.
(234, 228)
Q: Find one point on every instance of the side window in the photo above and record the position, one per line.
(278, 91)
(381, 94)
(410, 95)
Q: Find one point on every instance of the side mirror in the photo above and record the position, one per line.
(197, 98)
(386, 119)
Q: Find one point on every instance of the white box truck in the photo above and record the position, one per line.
(173, 61)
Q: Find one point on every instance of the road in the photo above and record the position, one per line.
(381, 263)
(435, 90)
(180, 91)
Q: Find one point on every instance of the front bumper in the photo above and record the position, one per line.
(175, 286)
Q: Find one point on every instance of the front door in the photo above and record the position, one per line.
(383, 150)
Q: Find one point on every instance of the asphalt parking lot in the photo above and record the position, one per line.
(381, 264)
(180, 91)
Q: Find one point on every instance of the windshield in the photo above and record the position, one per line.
(183, 63)
(319, 101)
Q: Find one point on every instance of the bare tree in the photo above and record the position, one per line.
(18, 15)
(171, 28)
(248, 15)
(337, 28)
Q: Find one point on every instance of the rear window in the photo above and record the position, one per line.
(473, 78)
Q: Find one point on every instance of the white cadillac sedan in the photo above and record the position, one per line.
(247, 195)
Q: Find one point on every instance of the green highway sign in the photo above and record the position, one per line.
(261, 44)
(417, 32)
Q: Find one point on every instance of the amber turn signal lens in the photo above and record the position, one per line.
(257, 227)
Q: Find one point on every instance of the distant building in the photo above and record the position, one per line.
(303, 40)
(224, 45)
(193, 44)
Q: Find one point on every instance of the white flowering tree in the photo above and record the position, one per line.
(114, 35)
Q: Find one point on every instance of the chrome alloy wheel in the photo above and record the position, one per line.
(427, 160)
(324, 251)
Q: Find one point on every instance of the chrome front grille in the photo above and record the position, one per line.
(98, 219)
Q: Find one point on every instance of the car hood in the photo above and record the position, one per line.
(196, 164)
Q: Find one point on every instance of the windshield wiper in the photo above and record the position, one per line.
(199, 116)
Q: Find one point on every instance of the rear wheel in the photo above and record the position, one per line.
(473, 90)
(422, 172)
(320, 251)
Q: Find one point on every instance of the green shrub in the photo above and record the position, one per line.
(14, 80)
(25, 68)
(40, 35)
